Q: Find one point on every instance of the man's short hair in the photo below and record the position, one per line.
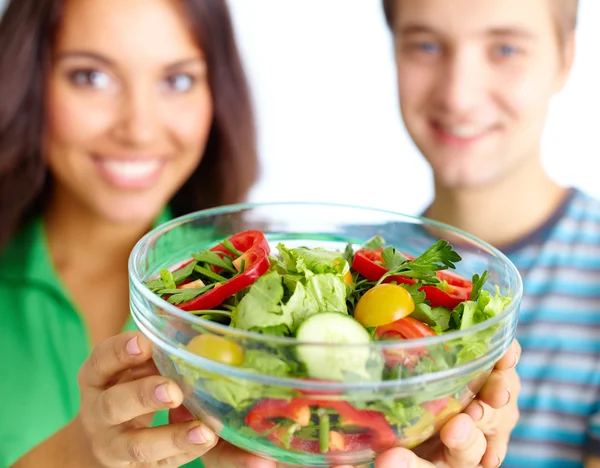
(565, 13)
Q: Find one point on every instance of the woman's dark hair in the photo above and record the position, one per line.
(27, 33)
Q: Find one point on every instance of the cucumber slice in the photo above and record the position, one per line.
(331, 362)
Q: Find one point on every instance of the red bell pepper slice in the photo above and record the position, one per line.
(378, 434)
(244, 241)
(338, 442)
(295, 410)
(369, 263)
(255, 250)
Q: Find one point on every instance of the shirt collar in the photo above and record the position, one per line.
(27, 258)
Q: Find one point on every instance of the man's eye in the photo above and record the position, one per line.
(507, 50)
(428, 47)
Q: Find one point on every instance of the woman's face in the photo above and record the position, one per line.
(129, 107)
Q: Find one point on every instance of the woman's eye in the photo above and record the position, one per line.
(180, 83)
(90, 79)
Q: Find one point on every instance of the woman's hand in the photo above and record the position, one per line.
(120, 392)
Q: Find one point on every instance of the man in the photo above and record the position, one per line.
(475, 79)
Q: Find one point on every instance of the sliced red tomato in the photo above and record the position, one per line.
(450, 297)
(435, 407)
(369, 263)
(407, 328)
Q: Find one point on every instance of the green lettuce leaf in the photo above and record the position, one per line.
(260, 309)
(313, 261)
(240, 393)
(397, 412)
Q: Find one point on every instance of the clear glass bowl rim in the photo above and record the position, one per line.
(139, 286)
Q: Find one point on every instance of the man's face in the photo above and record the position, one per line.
(475, 79)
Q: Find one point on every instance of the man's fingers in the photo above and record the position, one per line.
(484, 416)
(497, 446)
(150, 445)
(511, 357)
(495, 391)
(465, 443)
(225, 455)
(400, 458)
(112, 357)
(129, 400)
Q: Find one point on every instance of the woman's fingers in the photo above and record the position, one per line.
(170, 443)
(129, 400)
(112, 357)
(225, 455)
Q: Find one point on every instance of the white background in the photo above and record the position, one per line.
(329, 128)
(329, 123)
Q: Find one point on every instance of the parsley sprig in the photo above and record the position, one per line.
(440, 256)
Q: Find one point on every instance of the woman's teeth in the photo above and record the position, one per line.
(132, 169)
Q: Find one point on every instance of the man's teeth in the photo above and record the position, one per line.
(464, 131)
(132, 169)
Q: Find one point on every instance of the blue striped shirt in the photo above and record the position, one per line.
(559, 331)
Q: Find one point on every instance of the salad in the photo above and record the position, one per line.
(349, 298)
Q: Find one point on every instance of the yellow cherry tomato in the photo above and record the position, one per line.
(383, 304)
(217, 348)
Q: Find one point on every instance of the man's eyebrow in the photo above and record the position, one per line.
(495, 31)
(514, 31)
(415, 28)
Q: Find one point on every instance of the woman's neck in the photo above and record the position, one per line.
(79, 238)
(503, 212)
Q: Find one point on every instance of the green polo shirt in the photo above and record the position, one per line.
(43, 342)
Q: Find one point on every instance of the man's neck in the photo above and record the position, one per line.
(500, 213)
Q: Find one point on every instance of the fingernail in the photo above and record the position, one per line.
(133, 347)
(462, 431)
(476, 411)
(401, 463)
(161, 393)
(200, 435)
(508, 398)
(499, 461)
(515, 360)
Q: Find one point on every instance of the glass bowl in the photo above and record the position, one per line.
(354, 409)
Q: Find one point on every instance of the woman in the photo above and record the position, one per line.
(113, 116)
(109, 111)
